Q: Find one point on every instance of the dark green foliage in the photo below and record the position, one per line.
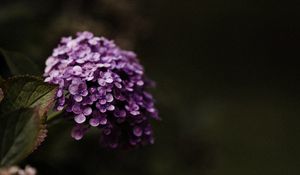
(22, 117)
(19, 134)
(27, 91)
(17, 64)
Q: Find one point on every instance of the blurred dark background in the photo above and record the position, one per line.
(227, 82)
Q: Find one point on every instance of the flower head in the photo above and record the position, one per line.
(14, 170)
(102, 86)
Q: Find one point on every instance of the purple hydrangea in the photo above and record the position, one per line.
(102, 86)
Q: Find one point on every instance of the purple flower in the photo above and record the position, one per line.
(102, 86)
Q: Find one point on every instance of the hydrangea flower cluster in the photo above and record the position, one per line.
(102, 86)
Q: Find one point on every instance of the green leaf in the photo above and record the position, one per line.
(27, 91)
(22, 116)
(18, 64)
(21, 131)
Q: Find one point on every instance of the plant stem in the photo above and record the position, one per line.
(53, 116)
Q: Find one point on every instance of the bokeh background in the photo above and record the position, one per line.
(227, 82)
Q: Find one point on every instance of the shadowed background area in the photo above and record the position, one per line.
(227, 82)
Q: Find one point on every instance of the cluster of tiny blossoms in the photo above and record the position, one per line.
(14, 170)
(102, 86)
